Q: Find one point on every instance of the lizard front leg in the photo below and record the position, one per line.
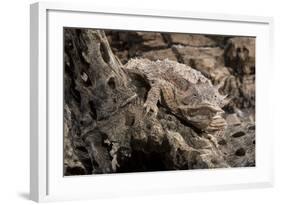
(152, 98)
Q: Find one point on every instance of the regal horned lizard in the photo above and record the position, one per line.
(184, 91)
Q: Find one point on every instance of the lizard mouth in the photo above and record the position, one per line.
(203, 109)
(205, 116)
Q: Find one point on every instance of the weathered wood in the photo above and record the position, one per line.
(106, 126)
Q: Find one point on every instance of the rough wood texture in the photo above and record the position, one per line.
(143, 115)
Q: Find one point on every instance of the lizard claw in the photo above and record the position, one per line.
(150, 107)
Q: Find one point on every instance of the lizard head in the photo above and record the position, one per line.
(202, 103)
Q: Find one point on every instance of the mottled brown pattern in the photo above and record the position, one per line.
(144, 101)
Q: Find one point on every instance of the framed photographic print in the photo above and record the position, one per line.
(150, 101)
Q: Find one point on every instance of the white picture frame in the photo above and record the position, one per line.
(46, 177)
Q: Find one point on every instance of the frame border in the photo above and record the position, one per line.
(39, 75)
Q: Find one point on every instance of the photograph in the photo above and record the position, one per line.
(146, 101)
